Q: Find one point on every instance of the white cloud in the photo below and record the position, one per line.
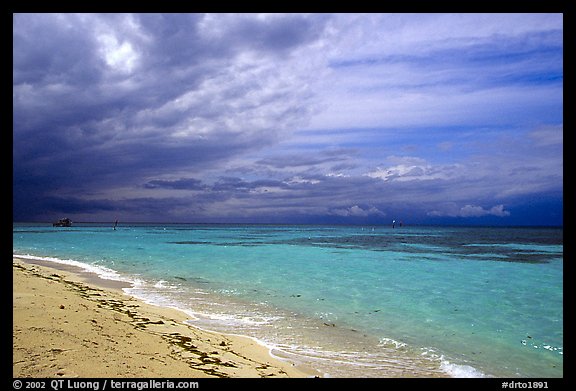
(120, 56)
(356, 211)
(299, 180)
(415, 169)
(452, 210)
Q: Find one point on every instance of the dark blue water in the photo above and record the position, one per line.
(351, 301)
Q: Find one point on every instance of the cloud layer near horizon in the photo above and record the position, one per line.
(288, 118)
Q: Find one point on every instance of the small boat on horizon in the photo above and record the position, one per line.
(65, 222)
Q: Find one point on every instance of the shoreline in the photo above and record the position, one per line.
(304, 366)
(65, 319)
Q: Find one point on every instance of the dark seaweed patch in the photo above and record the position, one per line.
(189, 242)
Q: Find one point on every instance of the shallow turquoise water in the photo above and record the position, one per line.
(377, 301)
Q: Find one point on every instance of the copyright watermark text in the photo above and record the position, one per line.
(525, 384)
(102, 384)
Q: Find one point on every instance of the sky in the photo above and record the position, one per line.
(289, 118)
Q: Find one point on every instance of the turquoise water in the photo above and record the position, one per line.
(348, 300)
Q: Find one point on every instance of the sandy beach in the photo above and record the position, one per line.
(68, 323)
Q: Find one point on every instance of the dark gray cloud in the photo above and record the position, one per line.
(105, 100)
(307, 159)
(179, 184)
(276, 34)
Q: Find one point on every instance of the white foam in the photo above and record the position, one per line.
(163, 284)
(389, 341)
(100, 271)
(236, 319)
(459, 370)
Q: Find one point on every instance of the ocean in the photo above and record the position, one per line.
(350, 301)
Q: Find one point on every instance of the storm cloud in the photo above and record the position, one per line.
(288, 117)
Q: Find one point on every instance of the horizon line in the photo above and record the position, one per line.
(306, 224)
